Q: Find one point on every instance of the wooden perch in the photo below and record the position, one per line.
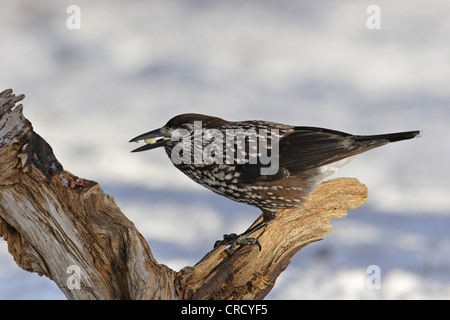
(68, 229)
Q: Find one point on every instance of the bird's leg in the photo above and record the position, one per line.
(255, 228)
(233, 239)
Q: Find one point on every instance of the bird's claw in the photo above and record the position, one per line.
(233, 240)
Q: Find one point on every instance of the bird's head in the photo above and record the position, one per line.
(175, 129)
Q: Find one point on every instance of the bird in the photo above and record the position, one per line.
(264, 164)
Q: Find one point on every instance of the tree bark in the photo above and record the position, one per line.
(68, 229)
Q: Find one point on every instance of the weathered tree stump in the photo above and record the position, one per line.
(60, 225)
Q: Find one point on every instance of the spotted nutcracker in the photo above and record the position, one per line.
(268, 165)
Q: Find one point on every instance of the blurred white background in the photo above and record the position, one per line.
(135, 64)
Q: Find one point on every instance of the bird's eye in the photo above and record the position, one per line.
(186, 126)
(180, 133)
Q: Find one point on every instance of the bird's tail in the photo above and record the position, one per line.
(391, 137)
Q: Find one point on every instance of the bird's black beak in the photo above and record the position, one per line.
(153, 139)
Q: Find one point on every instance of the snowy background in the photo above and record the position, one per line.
(135, 64)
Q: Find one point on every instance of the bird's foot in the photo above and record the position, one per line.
(233, 240)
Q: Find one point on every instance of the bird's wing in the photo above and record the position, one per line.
(308, 148)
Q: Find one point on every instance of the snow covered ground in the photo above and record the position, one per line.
(134, 64)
